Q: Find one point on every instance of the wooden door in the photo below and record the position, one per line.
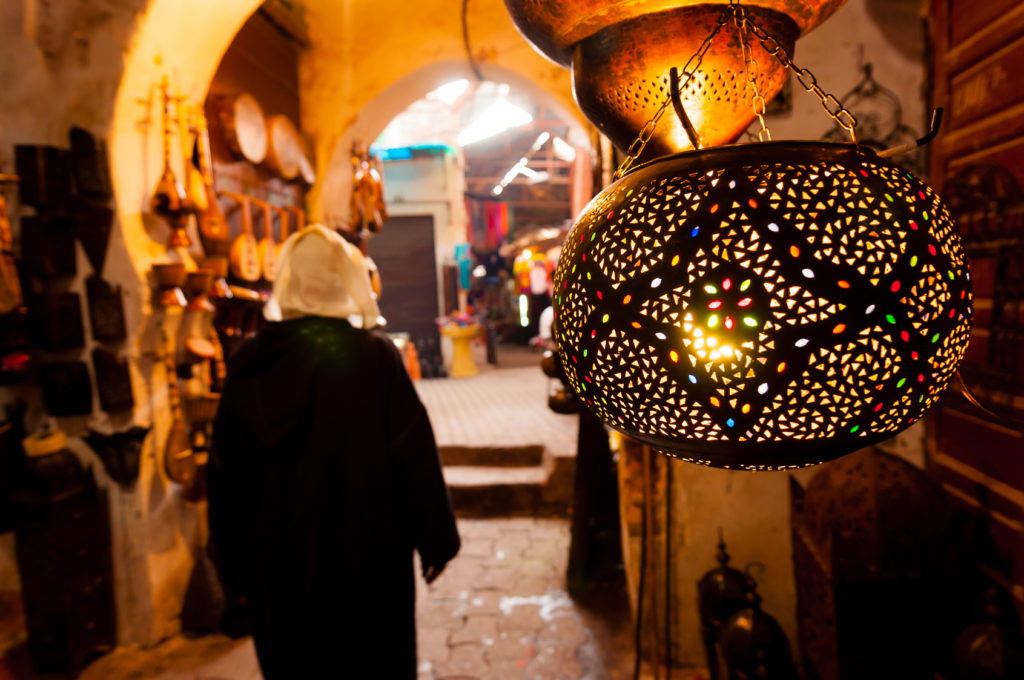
(405, 255)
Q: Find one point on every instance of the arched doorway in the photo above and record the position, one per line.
(342, 78)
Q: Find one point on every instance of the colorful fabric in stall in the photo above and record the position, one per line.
(497, 223)
(476, 226)
(488, 223)
(464, 261)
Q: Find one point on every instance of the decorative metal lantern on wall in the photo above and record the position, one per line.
(766, 306)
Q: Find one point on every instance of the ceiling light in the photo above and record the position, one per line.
(520, 167)
(563, 150)
(533, 176)
(449, 92)
(499, 117)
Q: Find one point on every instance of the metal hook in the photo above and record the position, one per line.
(933, 129)
(677, 104)
(1001, 417)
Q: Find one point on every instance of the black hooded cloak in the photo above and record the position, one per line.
(324, 477)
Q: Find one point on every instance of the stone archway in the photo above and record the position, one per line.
(332, 192)
(345, 92)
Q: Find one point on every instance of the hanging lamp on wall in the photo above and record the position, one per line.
(763, 306)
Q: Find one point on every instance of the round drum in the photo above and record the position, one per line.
(284, 149)
(244, 129)
(306, 170)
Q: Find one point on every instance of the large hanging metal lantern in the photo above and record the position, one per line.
(620, 53)
(765, 306)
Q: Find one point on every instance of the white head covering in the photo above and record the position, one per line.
(321, 274)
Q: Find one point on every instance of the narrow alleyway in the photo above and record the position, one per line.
(500, 610)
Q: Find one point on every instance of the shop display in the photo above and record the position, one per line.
(213, 228)
(120, 453)
(168, 201)
(92, 226)
(266, 248)
(10, 285)
(721, 592)
(366, 205)
(300, 217)
(113, 381)
(197, 287)
(244, 254)
(67, 390)
(89, 165)
(243, 126)
(282, 216)
(219, 369)
(55, 321)
(106, 310)
(306, 170)
(217, 265)
(197, 349)
(49, 470)
(15, 350)
(194, 186)
(179, 460)
(284, 146)
(170, 277)
(45, 176)
(63, 550)
(48, 246)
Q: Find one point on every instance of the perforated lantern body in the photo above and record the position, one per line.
(763, 306)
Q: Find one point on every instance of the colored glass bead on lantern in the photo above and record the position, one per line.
(763, 307)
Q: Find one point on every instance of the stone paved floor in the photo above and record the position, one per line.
(498, 612)
(507, 407)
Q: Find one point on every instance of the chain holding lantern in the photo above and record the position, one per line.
(764, 306)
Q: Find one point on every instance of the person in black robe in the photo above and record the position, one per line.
(323, 479)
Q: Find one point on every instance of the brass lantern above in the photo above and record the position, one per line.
(763, 306)
(620, 54)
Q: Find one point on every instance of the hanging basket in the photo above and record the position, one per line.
(764, 306)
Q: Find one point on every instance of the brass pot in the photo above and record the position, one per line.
(554, 28)
(620, 76)
(620, 52)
